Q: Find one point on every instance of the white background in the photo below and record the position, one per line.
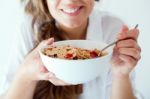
(131, 11)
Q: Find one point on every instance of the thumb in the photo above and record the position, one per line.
(49, 41)
(45, 43)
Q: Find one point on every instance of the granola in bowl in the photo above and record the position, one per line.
(71, 53)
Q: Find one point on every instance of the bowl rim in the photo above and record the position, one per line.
(40, 51)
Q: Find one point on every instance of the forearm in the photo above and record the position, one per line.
(122, 88)
(20, 89)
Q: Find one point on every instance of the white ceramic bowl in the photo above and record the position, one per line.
(78, 71)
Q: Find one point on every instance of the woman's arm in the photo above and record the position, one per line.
(125, 57)
(122, 88)
(21, 88)
(30, 72)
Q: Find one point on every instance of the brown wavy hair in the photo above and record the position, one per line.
(43, 25)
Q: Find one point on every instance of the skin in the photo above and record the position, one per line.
(73, 26)
(125, 56)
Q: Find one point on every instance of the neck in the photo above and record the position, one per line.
(74, 33)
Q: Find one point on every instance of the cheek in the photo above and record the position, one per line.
(52, 6)
(89, 6)
(52, 11)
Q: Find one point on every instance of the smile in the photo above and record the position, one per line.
(72, 11)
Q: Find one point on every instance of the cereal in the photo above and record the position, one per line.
(71, 53)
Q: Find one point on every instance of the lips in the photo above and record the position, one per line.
(72, 11)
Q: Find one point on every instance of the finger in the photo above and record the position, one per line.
(129, 43)
(132, 52)
(45, 43)
(58, 82)
(124, 28)
(132, 34)
(45, 76)
(129, 60)
(49, 41)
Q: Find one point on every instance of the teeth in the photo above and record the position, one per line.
(70, 10)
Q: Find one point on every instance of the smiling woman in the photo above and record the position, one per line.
(69, 16)
(62, 20)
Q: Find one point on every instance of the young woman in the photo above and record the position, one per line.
(70, 19)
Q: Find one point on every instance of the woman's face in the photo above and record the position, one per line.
(70, 13)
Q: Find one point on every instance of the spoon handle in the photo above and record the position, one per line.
(115, 41)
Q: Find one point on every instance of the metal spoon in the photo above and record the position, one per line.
(109, 45)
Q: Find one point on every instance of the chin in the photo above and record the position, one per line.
(72, 25)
